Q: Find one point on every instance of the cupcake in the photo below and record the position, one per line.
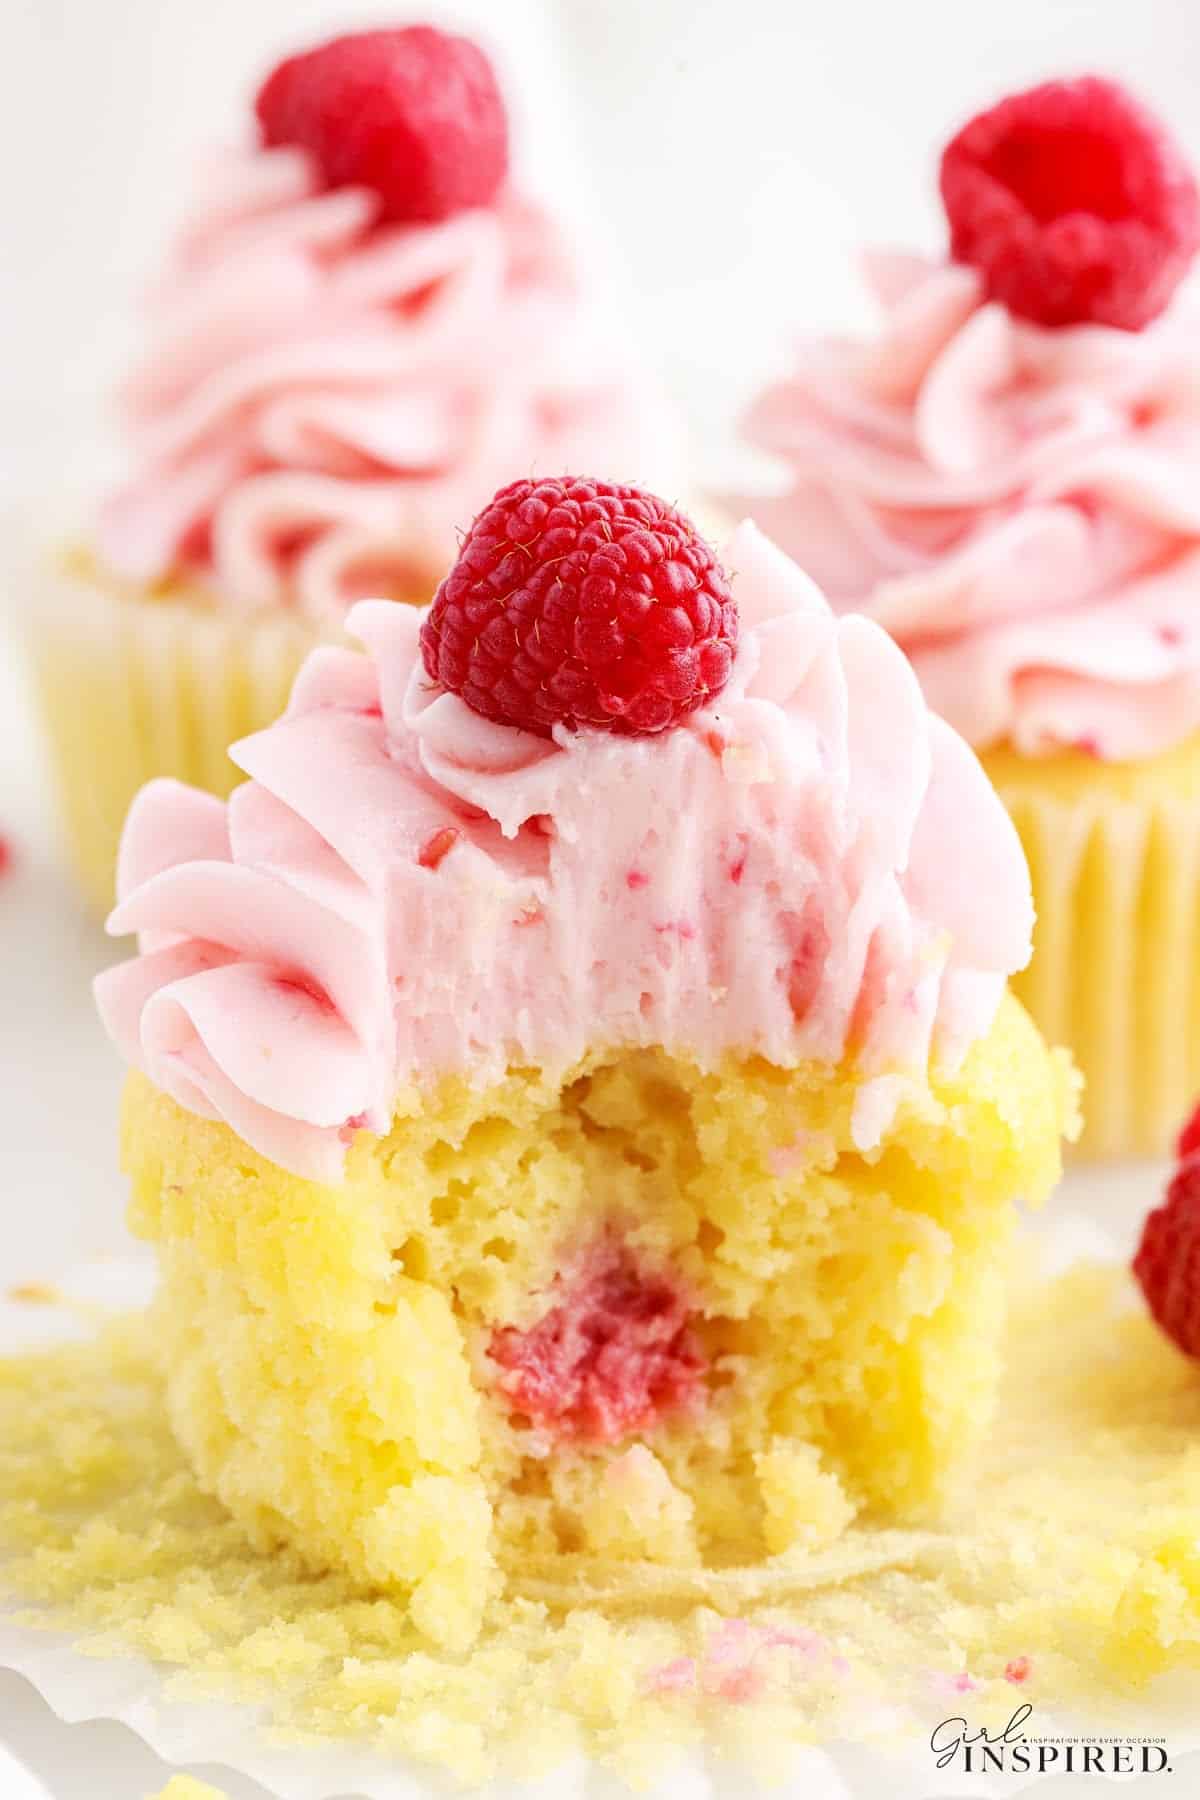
(363, 329)
(578, 1110)
(1007, 477)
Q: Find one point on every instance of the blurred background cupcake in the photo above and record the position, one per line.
(1007, 476)
(363, 329)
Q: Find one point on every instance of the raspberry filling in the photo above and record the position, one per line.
(611, 1357)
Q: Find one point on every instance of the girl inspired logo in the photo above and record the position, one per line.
(1011, 1751)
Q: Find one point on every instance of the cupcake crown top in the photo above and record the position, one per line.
(1075, 204)
(413, 114)
(808, 867)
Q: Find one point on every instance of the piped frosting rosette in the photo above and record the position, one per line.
(1018, 505)
(325, 400)
(813, 866)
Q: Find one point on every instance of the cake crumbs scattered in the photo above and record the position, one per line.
(186, 1787)
(35, 1293)
(1075, 1552)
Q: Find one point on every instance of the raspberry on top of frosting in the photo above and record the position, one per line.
(813, 867)
(1074, 203)
(579, 602)
(1017, 503)
(413, 113)
(328, 389)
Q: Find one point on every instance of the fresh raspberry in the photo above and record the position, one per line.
(414, 113)
(1168, 1260)
(1074, 203)
(614, 1354)
(1189, 1138)
(582, 603)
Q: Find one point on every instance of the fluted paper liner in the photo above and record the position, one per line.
(134, 686)
(1115, 974)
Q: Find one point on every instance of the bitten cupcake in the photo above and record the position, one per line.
(578, 1110)
(1007, 477)
(364, 328)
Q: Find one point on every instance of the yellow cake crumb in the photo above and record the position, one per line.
(34, 1293)
(327, 1351)
(1068, 1577)
(186, 1787)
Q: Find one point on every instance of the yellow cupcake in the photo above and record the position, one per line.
(584, 1158)
(337, 1371)
(1003, 477)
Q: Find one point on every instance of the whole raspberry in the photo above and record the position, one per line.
(413, 113)
(1189, 1138)
(1074, 203)
(582, 603)
(1167, 1264)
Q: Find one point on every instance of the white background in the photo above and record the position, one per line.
(728, 155)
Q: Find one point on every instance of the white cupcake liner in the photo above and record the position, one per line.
(132, 686)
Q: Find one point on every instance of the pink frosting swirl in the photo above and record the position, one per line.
(404, 889)
(325, 403)
(1018, 506)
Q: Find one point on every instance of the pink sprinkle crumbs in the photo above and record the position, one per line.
(1170, 634)
(673, 1677)
(612, 1356)
(957, 1683)
(435, 849)
(1018, 1670)
(728, 1670)
(635, 879)
(737, 867)
(530, 915)
(371, 712)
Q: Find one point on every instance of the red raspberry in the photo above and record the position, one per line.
(1074, 203)
(1189, 1138)
(582, 603)
(414, 113)
(1168, 1260)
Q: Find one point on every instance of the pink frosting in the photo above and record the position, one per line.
(323, 405)
(405, 890)
(1019, 507)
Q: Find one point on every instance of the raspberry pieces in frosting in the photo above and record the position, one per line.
(812, 868)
